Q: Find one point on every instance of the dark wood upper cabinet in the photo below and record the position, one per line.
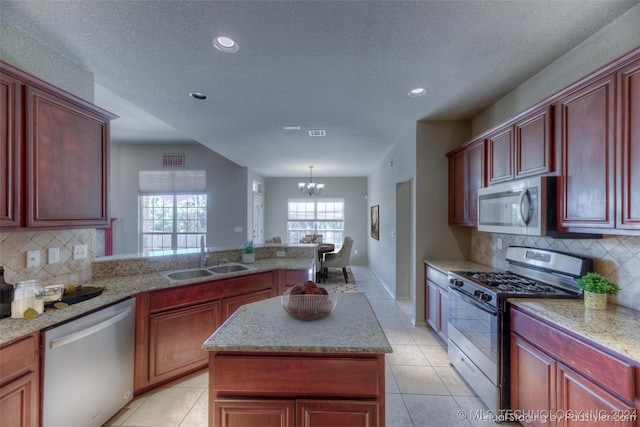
(533, 143)
(628, 80)
(10, 151)
(521, 149)
(58, 147)
(586, 134)
(466, 176)
(500, 156)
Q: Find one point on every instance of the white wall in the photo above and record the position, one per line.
(612, 41)
(20, 49)
(226, 192)
(353, 190)
(381, 188)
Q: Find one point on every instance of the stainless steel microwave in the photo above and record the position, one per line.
(517, 207)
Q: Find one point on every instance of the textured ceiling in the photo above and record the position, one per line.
(343, 66)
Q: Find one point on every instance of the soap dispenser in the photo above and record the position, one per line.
(6, 296)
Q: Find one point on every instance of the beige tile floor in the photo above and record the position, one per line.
(423, 390)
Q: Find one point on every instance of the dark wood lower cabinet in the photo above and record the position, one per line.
(330, 413)
(175, 338)
(586, 404)
(19, 383)
(172, 323)
(533, 382)
(560, 380)
(301, 389)
(267, 413)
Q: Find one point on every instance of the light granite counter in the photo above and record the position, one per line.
(264, 326)
(617, 328)
(458, 265)
(121, 287)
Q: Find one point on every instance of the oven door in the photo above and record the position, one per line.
(474, 328)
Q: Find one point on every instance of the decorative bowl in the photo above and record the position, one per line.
(309, 306)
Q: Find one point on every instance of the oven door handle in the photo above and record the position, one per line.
(484, 307)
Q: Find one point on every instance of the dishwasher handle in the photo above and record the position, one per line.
(67, 339)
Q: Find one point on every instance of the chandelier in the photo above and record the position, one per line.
(310, 188)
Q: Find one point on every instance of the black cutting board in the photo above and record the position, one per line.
(83, 294)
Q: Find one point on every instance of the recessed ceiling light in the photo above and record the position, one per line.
(198, 95)
(291, 128)
(225, 44)
(318, 132)
(419, 91)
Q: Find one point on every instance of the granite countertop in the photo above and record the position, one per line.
(459, 265)
(264, 326)
(122, 287)
(615, 328)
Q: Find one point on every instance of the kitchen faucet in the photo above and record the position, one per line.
(204, 256)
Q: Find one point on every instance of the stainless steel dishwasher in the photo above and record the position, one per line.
(88, 367)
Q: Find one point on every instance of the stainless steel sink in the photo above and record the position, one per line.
(188, 274)
(228, 268)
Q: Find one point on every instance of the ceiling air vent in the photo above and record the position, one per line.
(317, 132)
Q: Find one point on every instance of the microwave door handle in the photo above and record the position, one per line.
(521, 203)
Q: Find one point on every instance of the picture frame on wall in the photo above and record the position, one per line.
(375, 222)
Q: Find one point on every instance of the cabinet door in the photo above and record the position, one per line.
(332, 413)
(533, 144)
(10, 151)
(230, 305)
(444, 314)
(475, 180)
(433, 312)
(500, 156)
(457, 189)
(175, 338)
(67, 163)
(19, 402)
(533, 381)
(577, 395)
(586, 135)
(629, 140)
(466, 175)
(19, 380)
(254, 413)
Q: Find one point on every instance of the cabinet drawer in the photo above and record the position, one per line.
(298, 376)
(184, 296)
(437, 277)
(18, 358)
(610, 372)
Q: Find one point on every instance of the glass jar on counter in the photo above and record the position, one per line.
(27, 294)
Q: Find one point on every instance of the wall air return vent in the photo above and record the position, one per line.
(317, 132)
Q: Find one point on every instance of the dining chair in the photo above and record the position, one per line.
(339, 259)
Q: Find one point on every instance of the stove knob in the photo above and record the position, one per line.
(478, 294)
(456, 282)
(485, 297)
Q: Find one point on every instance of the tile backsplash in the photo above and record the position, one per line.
(615, 257)
(13, 256)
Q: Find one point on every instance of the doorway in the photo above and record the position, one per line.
(258, 218)
(404, 240)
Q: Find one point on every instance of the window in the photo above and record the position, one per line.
(316, 216)
(174, 216)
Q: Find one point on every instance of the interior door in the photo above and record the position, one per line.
(258, 218)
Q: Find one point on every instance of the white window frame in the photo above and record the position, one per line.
(318, 222)
(173, 188)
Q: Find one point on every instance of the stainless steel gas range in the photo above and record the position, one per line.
(479, 319)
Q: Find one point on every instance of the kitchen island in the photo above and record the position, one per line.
(267, 368)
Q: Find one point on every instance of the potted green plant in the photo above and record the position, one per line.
(248, 252)
(596, 288)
